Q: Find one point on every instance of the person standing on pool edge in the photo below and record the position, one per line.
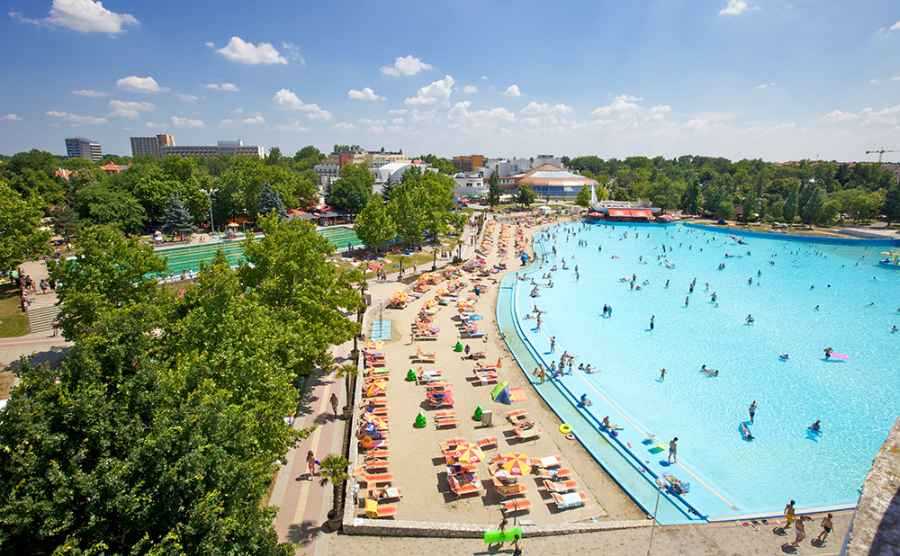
(752, 411)
(673, 450)
(789, 514)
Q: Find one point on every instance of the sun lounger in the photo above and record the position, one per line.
(559, 487)
(366, 446)
(516, 415)
(434, 403)
(445, 423)
(374, 479)
(421, 338)
(384, 494)
(380, 372)
(569, 500)
(450, 444)
(508, 490)
(483, 380)
(374, 510)
(463, 489)
(561, 474)
(422, 357)
(374, 465)
(485, 442)
(379, 453)
(546, 462)
(516, 505)
(526, 434)
(472, 335)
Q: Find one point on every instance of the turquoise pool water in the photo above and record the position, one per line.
(856, 400)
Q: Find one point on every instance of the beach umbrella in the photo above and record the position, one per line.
(516, 464)
(374, 388)
(469, 453)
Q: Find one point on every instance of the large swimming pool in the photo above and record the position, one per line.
(803, 296)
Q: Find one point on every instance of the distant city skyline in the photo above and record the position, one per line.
(778, 80)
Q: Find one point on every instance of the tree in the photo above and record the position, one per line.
(525, 196)
(270, 201)
(407, 210)
(22, 236)
(177, 219)
(374, 224)
(289, 272)
(334, 469)
(351, 192)
(274, 156)
(493, 190)
(790, 204)
(891, 208)
(813, 205)
(584, 197)
(108, 271)
(103, 204)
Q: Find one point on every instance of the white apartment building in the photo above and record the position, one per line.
(470, 184)
(221, 148)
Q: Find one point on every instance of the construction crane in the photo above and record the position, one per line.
(880, 152)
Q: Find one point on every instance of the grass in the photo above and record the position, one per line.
(13, 321)
(7, 379)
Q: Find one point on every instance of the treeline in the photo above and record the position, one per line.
(160, 431)
(752, 190)
(138, 199)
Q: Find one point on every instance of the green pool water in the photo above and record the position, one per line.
(190, 258)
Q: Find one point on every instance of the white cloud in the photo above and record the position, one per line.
(366, 94)
(541, 114)
(763, 86)
(398, 111)
(628, 112)
(344, 125)
(254, 120)
(187, 98)
(513, 91)
(370, 122)
(210, 44)
(128, 109)
(461, 116)
(839, 116)
(397, 121)
(137, 84)
(77, 119)
(89, 93)
(154, 124)
(287, 99)
(293, 126)
(706, 120)
(470, 89)
(224, 87)
(484, 78)
(292, 52)
(437, 92)
(895, 27)
(10, 118)
(243, 52)
(895, 78)
(735, 7)
(85, 16)
(186, 123)
(621, 106)
(874, 81)
(405, 65)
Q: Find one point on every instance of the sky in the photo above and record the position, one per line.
(771, 79)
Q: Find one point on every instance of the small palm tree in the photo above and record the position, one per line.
(334, 469)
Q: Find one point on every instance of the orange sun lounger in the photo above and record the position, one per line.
(516, 505)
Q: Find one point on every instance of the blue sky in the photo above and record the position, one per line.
(737, 78)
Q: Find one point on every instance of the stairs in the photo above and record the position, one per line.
(40, 318)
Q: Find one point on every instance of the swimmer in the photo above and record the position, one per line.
(816, 308)
(749, 320)
(745, 432)
(584, 401)
(662, 374)
(784, 356)
(588, 369)
(894, 329)
(828, 351)
(709, 372)
(816, 427)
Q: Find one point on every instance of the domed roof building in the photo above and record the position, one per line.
(548, 180)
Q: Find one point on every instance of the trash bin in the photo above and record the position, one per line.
(487, 418)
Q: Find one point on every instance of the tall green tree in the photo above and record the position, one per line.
(102, 203)
(493, 197)
(270, 201)
(374, 224)
(584, 197)
(22, 236)
(891, 208)
(810, 210)
(177, 219)
(791, 204)
(525, 196)
(351, 192)
(407, 210)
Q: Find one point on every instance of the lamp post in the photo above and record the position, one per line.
(209, 195)
(434, 259)
(660, 485)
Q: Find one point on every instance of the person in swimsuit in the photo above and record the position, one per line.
(827, 526)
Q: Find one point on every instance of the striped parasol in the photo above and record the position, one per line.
(516, 464)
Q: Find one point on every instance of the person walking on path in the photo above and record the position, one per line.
(55, 328)
(827, 526)
(673, 450)
(311, 464)
(334, 403)
(789, 514)
(752, 411)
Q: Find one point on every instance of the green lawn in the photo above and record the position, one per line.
(13, 321)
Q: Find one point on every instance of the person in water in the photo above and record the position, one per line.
(816, 427)
(709, 372)
(662, 374)
(784, 356)
(584, 401)
(828, 352)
